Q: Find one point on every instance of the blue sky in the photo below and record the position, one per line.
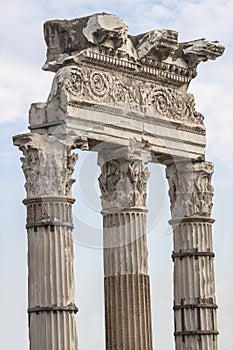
(23, 82)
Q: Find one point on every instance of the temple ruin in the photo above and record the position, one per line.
(126, 98)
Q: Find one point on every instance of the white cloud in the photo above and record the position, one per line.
(22, 82)
(214, 99)
(206, 18)
(193, 19)
(23, 51)
(20, 85)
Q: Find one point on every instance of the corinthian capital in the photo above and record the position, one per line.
(190, 189)
(48, 164)
(123, 184)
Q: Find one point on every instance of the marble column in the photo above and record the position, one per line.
(123, 183)
(195, 306)
(48, 166)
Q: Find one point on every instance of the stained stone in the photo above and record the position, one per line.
(125, 97)
(136, 83)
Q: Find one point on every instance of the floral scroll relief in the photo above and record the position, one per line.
(170, 103)
(95, 86)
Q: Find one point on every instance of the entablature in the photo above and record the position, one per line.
(117, 88)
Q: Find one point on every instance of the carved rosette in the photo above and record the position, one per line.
(75, 82)
(98, 84)
(48, 165)
(123, 184)
(190, 190)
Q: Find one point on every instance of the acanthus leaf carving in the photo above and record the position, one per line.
(123, 184)
(190, 189)
(48, 164)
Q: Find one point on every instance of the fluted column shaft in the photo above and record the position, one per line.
(127, 289)
(51, 275)
(48, 166)
(194, 286)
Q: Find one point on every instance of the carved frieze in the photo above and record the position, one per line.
(96, 86)
(190, 189)
(123, 184)
(170, 103)
(48, 165)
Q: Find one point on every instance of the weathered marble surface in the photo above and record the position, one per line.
(48, 164)
(108, 34)
(125, 97)
(191, 192)
(123, 185)
(195, 309)
(113, 87)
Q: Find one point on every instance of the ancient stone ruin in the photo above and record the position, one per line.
(126, 98)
